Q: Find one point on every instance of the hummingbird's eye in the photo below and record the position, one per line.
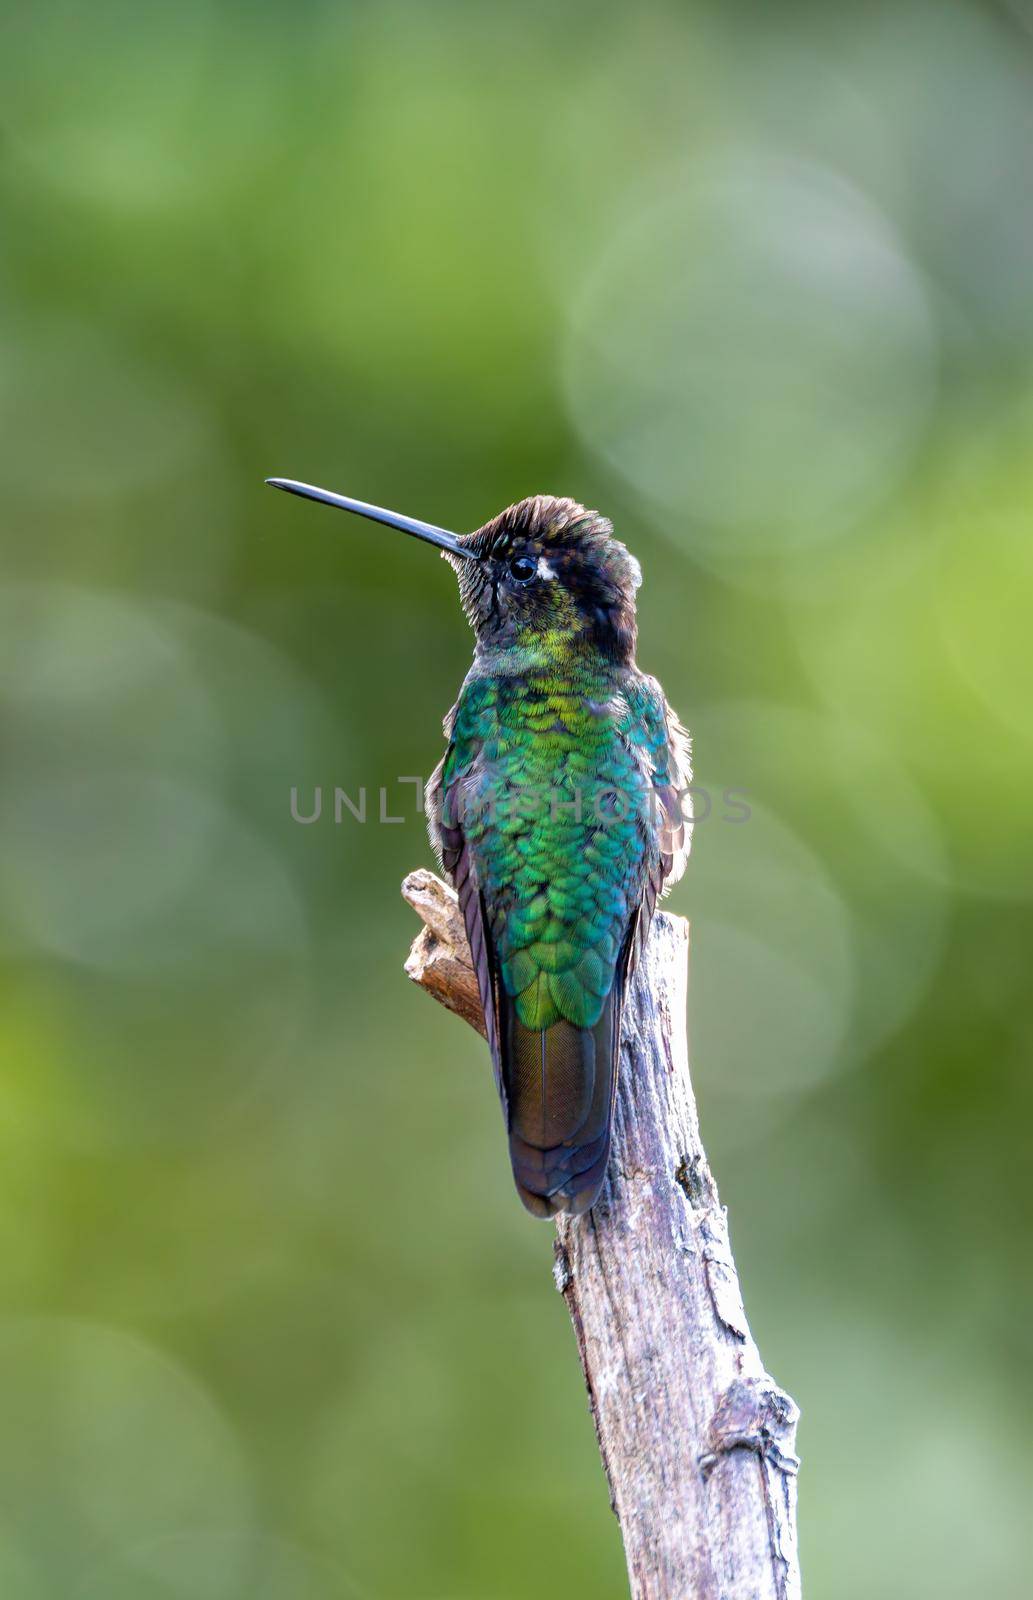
(522, 568)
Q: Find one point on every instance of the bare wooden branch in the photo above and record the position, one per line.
(697, 1441)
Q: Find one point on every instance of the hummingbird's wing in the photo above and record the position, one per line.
(445, 810)
(654, 730)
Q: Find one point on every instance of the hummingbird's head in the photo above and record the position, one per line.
(548, 571)
(544, 572)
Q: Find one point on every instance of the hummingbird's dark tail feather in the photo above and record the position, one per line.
(560, 1086)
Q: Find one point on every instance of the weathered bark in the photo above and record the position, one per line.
(696, 1439)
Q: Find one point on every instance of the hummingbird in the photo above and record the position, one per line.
(560, 812)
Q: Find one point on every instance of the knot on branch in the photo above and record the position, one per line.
(695, 1180)
(562, 1276)
(754, 1414)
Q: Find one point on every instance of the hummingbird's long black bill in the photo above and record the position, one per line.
(391, 519)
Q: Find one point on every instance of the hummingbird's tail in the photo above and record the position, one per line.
(560, 1083)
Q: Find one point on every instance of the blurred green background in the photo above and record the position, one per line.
(756, 282)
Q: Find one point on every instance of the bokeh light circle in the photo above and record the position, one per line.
(772, 965)
(754, 355)
(833, 884)
(107, 1440)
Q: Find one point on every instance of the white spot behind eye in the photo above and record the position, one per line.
(636, 572)
(544, 569)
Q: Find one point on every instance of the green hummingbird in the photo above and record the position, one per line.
(559, 811)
